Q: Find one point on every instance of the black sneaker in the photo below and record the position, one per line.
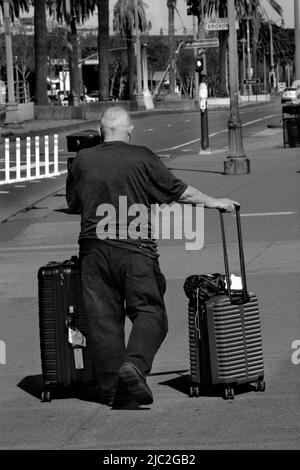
(136, 383)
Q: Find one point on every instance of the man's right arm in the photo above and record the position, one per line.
(193, 196)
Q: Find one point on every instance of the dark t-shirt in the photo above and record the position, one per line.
(114, 185)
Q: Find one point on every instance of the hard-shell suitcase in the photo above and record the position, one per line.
(65, 366)
(225, 342)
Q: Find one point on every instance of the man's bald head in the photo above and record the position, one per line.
(115, 124)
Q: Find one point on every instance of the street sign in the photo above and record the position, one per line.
(202, 43)
(251, 81)
(218, 24)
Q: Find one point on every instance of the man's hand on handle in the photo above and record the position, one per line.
(226, 205)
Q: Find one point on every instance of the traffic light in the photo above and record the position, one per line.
(199, 63)
(193, 7)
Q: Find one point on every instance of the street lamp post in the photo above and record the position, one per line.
(12, 117)
(249, 73)
(236, 162)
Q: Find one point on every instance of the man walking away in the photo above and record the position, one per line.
(120, 272)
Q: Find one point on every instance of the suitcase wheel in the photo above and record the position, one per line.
(228, 393)
(260, 386)
(194, 391)
(46, 396)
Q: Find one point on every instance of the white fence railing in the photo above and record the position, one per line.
(20, 164)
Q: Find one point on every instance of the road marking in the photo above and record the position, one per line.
(187, 120)
(4, 192)
(263, 214)
(166, 155)
(20, 186)
(42, 248)
(267, 132)
(216, 133)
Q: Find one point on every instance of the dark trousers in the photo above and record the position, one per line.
(115, 283)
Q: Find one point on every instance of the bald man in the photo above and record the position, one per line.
(120, 272)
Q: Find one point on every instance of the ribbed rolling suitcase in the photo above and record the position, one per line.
(225, 340)
(65, 366)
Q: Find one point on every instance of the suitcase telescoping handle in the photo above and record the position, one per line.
(235, 296)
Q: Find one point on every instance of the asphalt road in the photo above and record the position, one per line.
(169, 135)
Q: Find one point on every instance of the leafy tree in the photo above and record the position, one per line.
(244, 8)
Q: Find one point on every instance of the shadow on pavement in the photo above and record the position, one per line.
(182, 384)
(32, 384)
(196, 169)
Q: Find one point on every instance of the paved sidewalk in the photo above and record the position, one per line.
(270, 420)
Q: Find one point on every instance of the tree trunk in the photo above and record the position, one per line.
(130, 61)
(223, 36)
(171, 50)
(103, 48)
(40, 47)
(73, 62)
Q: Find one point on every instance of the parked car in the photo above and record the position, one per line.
(89, 99)
(290, 93)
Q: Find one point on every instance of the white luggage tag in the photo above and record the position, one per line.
(75, 337)
(78, 358)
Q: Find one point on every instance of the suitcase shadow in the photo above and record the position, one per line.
(183, 382)
(33, 385)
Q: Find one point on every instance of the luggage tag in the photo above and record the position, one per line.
(78, 358)
(76, 338)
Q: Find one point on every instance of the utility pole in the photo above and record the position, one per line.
(236, 162)
(12, 117)
(272, 56)
(243, 42)
(203, 94)
(195, 36)
(139, 96)
(249, 55)
(297, 40)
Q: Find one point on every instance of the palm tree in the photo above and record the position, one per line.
(124, 25)
(16, 6)
(171, 4)
(103, 48)
(73, 12)
(40, 50)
